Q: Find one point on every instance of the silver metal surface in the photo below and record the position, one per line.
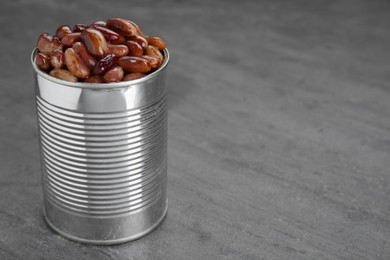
(103, 155)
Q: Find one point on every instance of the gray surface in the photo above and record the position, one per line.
(279, 130)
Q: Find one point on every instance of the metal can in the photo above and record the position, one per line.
(103, 154)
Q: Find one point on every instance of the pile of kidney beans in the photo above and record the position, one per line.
(111, 51)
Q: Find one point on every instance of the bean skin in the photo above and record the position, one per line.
(63, 74)
(75, 64)
(134, 64)
(114, 74)
(95, 42)
(42, 61)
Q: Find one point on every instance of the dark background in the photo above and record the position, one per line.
(279, 129)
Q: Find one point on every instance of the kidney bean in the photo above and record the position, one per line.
(154, 62)
(131, 76)
(63, 74)
(71, 38)
(108, 34)
(104, 64)
(134, 48)
(134, 64)
(75, 64)
(157, 42)
(101, 23)
(57, 59)
(138, 39)
(114, 74)
(94, 79)
(95, 42)
(80, 27)
(125, 27)
(139, 32)
(62, 31)
(47, 44)
(150, 50)
(119, 50)
(88, 59)
(42, 61)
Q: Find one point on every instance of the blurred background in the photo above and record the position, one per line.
(279, 122)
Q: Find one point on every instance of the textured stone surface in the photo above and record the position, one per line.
(279, 129)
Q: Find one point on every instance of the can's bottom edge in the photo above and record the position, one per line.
(106, 242)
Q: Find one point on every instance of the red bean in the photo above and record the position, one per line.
(88, 59)
(57, 59)
(157, 42)
(154, 62)
(125, 27)
(132, 76)
(42, 61)
(47, 44)
(138, 39)
(134, 48)
(71, 38)
(62, 31)
(94, 79)
(108, 34)
(104, 64)
(134, 64)
(63, 74)
(150, 50)
(119, 50)
(75, 64)
(95, 42)
(80, 27)
(114, 74)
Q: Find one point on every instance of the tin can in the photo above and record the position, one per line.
(103, 154)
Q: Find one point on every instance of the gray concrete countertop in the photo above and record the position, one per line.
(279, 129)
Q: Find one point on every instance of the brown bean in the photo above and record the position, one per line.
(62, 31)
(150, 50)
(94, 79)
(71, 38)
(63, 74)
(108, 34)
(125, 27)
(75, 64)
(88, 59)
(154, 62)
(42, 61)
(57, 59)
(95, 42)
(138, 39)
(134, 48)
(134, 64)
(47, 44)
(120, 40)
(157, 42)
(132, 76)
(113, 75)
(119, 50)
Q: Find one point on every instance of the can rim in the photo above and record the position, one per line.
(100, 86)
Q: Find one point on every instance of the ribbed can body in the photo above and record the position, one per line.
(104, 156)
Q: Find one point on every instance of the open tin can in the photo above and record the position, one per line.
(103, 154)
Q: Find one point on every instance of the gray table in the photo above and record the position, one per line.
(279, 129)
